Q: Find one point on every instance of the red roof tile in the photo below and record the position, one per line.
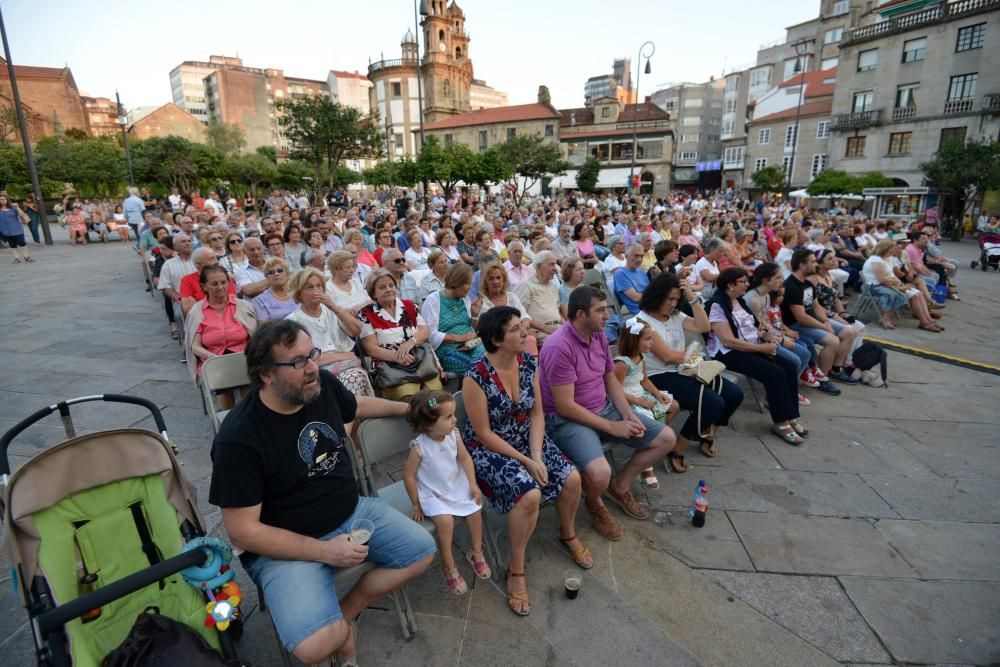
(31, 70)
(341, 74)
(585, 115)
(815, 86)
(818, 108)
(510, 114)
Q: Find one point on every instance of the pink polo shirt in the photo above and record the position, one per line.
(567, 359)
(916, 256)
(222, 331)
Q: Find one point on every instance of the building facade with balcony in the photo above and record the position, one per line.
(916, 74)
(696, 110)
(187, 86)
(605, 130)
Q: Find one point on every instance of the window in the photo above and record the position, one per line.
(448, 139)
(730, 106)
(818, 165)
(760, 77)
(691, 120)
(759, 164)
(823, 129)
(484, 140)
(733, 157)
(399, 143)
(962, 87)
(829, 63)
(606, 112)
(787, 163)
(669, 105)
(790, 68)
(971, 37)
(693, 103)
(914, 49)
(899, 143)
(906, 96)
(867, 60)
(711, 121)
(791, 136)
(855, 147)
(690, 138)
(764, 135)
(688, 156)
(397, 89)
(863, 101)
(713, 138)
(716, 104)
(549, 130)
(841, 7)
(949, 134)
(732, 83)
(728, 127)
(447, 88)
(511, 132)
(711, 156)
(833, 36)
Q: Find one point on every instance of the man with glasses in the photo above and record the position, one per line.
(394, 261)
(631, 280)
(250, 279)
(283, 477)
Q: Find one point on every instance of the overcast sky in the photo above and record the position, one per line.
(516, 45)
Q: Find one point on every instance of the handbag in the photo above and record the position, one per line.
(392, 374)
(704, 371)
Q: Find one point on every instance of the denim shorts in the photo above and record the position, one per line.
(815, 336)
(302, 596)
(582, 444)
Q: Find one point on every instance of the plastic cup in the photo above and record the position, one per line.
(361, 531)
(572, 579)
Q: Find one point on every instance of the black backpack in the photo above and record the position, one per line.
(868, 355)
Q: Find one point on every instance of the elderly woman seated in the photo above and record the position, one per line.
(218, 324)
(495, 292)
(890, 292)
(451, 316)
(275, 302)
(391, 329)
(331, 327)
(540, 296)
(343, 286)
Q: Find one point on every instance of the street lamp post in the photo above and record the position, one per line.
(123, 122)
(25, 139)
(423, 11)
(800, 50)
(635, 107)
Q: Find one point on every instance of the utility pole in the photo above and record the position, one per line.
(123, 121)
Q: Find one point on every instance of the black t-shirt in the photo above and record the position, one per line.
(295, 466)
(797, 293)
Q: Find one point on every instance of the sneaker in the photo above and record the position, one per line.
(819, 375)
(604, 523)
(803, 400)
(841, 376)
(827, 388)
(808, 379)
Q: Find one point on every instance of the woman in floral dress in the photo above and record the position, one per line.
(517, 465)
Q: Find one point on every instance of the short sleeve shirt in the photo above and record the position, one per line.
(797, 293)
(672, 333)
(626, 278)
(567, 359)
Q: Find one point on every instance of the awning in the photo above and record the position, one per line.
(616, 177)
(565, 182)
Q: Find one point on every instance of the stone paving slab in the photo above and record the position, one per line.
(817, 545)
(715, 546)
(946, 549)
(833, 452)
(814, 608)
(976, 500)
(927, 622)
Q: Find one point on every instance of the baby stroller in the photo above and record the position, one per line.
(95, 529)
(989, 253)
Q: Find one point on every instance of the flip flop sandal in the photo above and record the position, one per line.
(649, 478)
(479, 564)
(707, 448)
(518, 597)
(28, 259)
(580, 556)
(788, 434)
(801, 430)
(675, 463)
(456, 582)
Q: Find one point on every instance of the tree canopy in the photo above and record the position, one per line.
(836, 182)
(770, 179)
(967, 169)
(530, 158)
(226, 138)
(586, 180)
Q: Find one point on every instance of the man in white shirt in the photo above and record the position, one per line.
(517, 270)
(250, 279)
(302, 202)
(564, 247)
(213, 205)
(176, 202)
(171, 273)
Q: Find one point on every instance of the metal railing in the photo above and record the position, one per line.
(958, 106)
(909, 21)
(904, 113)
(396, 62)
(857, 120)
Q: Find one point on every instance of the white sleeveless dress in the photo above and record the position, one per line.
(442, 485)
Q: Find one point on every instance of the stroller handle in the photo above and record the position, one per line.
(63, 408)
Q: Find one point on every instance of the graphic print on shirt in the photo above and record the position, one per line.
(320, 448)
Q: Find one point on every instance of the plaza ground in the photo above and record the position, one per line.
(875, 543)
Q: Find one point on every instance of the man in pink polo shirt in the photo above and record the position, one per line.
(584, 402)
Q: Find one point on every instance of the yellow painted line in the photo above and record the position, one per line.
(936, 356)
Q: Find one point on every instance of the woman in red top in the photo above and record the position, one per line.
(383, 241)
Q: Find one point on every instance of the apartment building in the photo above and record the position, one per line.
(696, 111)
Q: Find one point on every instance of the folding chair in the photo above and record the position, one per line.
(595, 278)
(735, 378)
(228, 372)
(147, 274)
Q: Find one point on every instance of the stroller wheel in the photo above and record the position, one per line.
(972, 264)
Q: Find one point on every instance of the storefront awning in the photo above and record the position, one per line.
(615, 178)
(565, 182)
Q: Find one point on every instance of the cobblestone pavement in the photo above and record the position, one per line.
(875, 543)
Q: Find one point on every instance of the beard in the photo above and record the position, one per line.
(298, 395)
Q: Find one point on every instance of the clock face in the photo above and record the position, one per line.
(442, 47)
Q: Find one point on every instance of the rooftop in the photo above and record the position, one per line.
(808, 109)
(819, 83)
(511, 114)
(585, 115)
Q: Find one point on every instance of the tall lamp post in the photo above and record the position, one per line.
(25, 140)
(423, 11)
(635, 107)
(801, 49)
(123, 122)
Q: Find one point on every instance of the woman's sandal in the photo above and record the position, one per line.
(933, 328)
(479, 564)
(788, 434)
(649, 478)
(801, 430)
(455, 582)
(707, 447)
(583, 557)
(519, 598)
(675, 463)
(175, 335)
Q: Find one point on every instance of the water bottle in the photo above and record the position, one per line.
(699, 504)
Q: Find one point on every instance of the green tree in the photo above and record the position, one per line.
(445, 165)
(530, 158)
(292, 175)
(379, 175)
(252, 171)
(13, 169)
(323, 132)
(488, 167)
(586, 180)
(226, 138)
(94, 165)
(836, 182)
(8, 125)
(770, 179)
(966, 169)
(269, 152)
(166, 160)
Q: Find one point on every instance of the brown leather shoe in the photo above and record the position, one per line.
(604, 523)
(628, 503)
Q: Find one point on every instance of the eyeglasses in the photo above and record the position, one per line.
(272, 272)
(398, 261)
(298, 363)
(235, 241)
(214, 239)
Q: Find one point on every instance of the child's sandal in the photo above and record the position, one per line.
(455, 582)
(479, 564)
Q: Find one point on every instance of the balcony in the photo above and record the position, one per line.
(991, 104)
(946, 11)
(903, 113)
(397, 62)
(858, 120)
(958, 106)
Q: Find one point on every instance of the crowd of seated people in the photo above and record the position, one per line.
(520, 305)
